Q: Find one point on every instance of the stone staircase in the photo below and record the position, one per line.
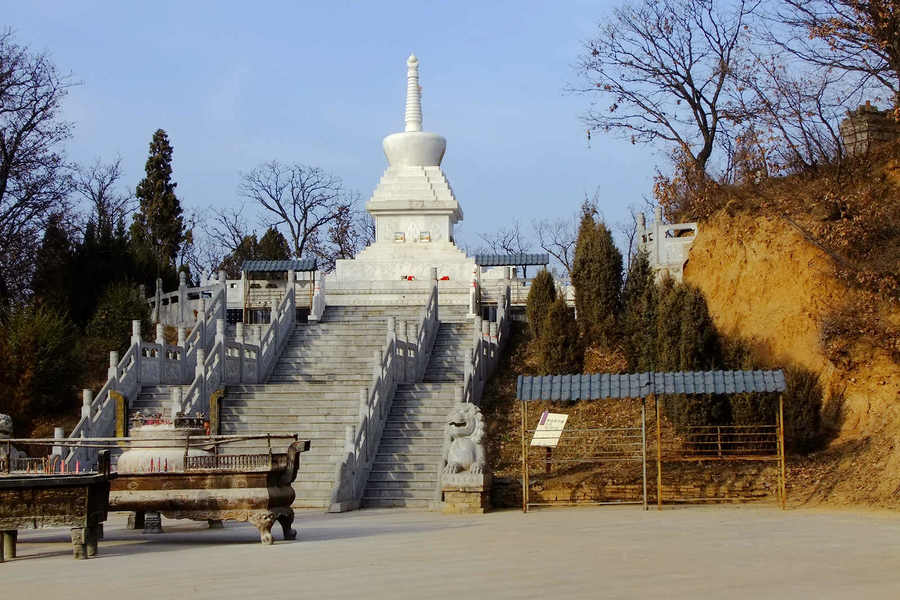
(405, 470)
(313, 391)
(155, 399)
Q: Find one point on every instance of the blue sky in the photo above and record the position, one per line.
(237, 84)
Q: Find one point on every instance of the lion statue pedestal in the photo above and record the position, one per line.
(465, 485)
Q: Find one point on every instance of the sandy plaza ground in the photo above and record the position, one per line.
(609, 552)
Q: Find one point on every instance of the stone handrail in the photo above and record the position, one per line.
(177, 308)
(393, 364)
(489, 339)
(276, 334)
(98, 414)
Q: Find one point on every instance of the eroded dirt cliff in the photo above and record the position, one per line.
(769, 285)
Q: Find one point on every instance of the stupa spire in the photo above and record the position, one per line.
(413, 95)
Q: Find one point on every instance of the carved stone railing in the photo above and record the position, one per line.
(99, 414)
(400, 360)
(488, 340)
(179, 308)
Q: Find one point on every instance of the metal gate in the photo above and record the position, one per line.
(579, 449)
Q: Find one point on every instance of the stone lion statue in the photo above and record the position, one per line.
(465, 452)
(6, 426)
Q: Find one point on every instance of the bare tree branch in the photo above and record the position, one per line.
(33, 181)
(663, 67)
(96, 185)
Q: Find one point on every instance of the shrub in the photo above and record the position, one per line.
(802, 411)
(119, 305)
(540, 297)
(39, 371)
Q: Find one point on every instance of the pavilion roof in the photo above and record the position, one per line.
(511, 260)
(569, 388)
(256, 266)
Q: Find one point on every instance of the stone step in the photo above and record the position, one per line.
(396, 475)
(418, 484)
(368, 502)
(389, 464)
(308, 414)
(400, 494)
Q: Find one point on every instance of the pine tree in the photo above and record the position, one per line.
(559, 349)
(597, 277)
(158, 228)
(540, 297)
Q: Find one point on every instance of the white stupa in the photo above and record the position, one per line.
(414, 210)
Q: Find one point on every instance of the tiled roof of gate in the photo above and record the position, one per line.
(303, 264)
(569, 388)
(511, 260)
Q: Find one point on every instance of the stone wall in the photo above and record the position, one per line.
(866, 126)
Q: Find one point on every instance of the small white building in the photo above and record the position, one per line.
(668, 245)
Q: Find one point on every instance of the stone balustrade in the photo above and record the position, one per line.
(403, 358)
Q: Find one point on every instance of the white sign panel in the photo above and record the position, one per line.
(549, 428)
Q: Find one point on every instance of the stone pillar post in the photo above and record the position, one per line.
(239, 333)
(87, 398)
(158, 298)
(414, 351)
(201, 322)
(136, 340)
(494, 343)
(112, 373)
(349, 434)
(58, 434)
(177, 405)
(182, 297)
(391, 330)
(182, 336)
(200, 369)
(245, 291)
(378, 372)
(404, 352)
(365, 417)
(160, 335)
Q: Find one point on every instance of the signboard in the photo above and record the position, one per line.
(549, 428)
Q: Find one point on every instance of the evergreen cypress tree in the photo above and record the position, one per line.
(158, 228)
(558, 346)
(540, 297)
(273, 246)
(52, 280)
(638, 322)
(597, 277)
(699, 345)
(668, 326)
